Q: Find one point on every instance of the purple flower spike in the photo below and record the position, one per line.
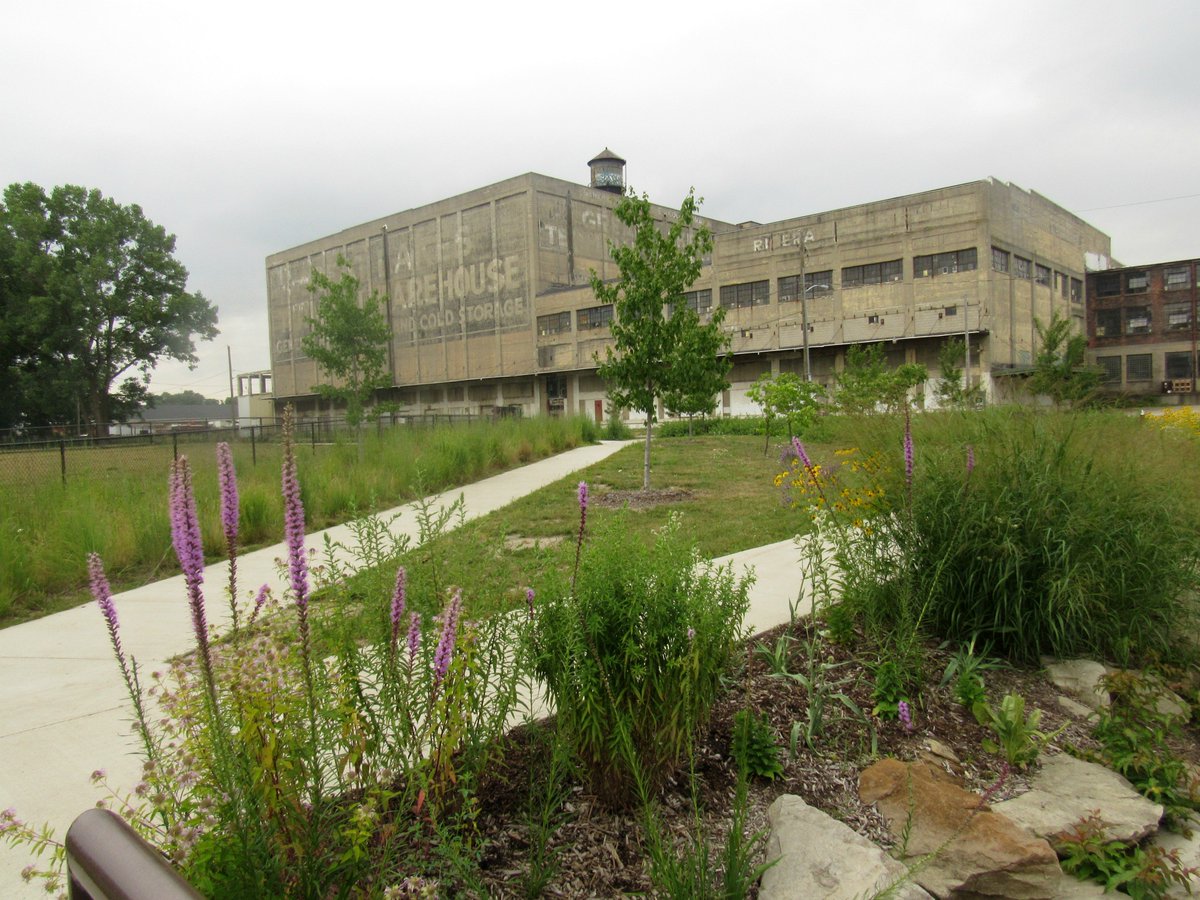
(445, 647)
(414, 636)
(263, 593)
(227, 477)
(185, 535)
(905, 715)
(970, 459)
(583, 496)
(293, 528)
(529, 601)
(398, 597)
(103, 595)
(801, 453)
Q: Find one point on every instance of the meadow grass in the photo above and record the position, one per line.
(115, 501)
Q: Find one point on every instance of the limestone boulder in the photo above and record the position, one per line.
(1188, 849)
(1066, 789)
(822, 857)
(957, 845)
(1079, 677)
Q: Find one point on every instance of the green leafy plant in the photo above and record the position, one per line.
(632, 648)
(889, 690)
(1135, 739)
(965, 670)
(1148, 872)
(753, 747)
(1017, 735)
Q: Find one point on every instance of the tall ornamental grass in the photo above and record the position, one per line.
(121, 515)
(1060, 533)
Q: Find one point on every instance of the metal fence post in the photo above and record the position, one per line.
(175, 445)
(313, 431)
(253, 448)
(62, 458)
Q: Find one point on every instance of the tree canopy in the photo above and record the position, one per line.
(1060, 371)
(660, 347)
(789, 396)
(348, 341)
(867, 383)
(90, 291)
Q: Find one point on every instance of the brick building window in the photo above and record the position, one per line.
(1138, 367)
(1108, 284)
(1176, 278)
(1022, 267)
(1178, 365)
(555, 323)
(1108, 322)
(594, 317)
(1076, 290)
(872, 273)
(751, 293)
(1178, 316)
(1137, 320)
(945, 263)
(1111, 368)
(999, 259)
(1136, 282)
(1042, 275)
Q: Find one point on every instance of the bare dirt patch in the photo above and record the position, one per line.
(642, 499)
(516, 542)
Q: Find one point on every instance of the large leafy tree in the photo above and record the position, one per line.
(348, 342)
(952, 387)
(90, 291)
(643, 365)
(1060, 371)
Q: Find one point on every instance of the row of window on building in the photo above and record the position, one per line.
(1137, 281)
(1112, 323)
(1140, 366)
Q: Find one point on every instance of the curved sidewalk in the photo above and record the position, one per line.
(63, 707)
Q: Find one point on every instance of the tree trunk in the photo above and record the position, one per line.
(646, 462)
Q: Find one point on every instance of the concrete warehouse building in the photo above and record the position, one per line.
(490, 308)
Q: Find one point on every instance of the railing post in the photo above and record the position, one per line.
(106, 860)
(175, 445)
(313, 432)
(62, 458)
(253, 448)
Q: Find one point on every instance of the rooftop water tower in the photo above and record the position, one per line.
(608, 172)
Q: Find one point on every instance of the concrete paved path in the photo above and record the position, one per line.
(63, 707)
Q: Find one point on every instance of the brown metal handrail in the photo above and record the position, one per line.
(108, 860)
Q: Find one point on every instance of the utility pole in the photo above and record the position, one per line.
(232, 396)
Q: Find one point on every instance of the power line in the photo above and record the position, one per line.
(1141, 203)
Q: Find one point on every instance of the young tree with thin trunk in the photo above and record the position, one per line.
(642, 366)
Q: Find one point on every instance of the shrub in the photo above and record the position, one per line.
(632, 649)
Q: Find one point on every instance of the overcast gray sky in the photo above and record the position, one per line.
(247, 128)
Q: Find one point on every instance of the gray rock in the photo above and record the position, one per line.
(1080, 677)
(1078, 710)
(1189, 855)
(1067, 789)
(821, 857)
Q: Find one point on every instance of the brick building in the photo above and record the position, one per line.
(489, 303)
(1141, 327)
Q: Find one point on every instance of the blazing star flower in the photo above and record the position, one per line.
(905, 716)
(445, 647)
(293, 527)
(583, 496)
(691, 633)
(103, 596)
(529, 601)
(185, 535)
(398, 596)
(260, 599)
(801, 453)
(414, 636)
(227, 477)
